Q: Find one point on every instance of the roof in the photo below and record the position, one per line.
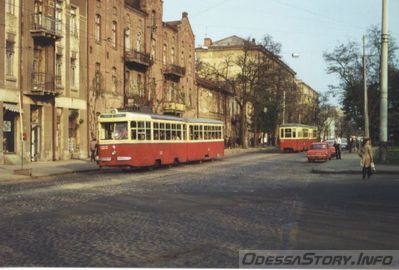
(144, 116)
(173, 24)
(236, 42)
(230, 41)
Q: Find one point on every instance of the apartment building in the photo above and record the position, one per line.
(282, 77)
(214, 102)
(138, 61)
(42, 87)
(308, 103)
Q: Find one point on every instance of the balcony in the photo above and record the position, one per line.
(174, 71)
(173, 107)
(45, 28)
(135, 59)
(43, 84)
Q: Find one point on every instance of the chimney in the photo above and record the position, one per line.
(207, 42)
(185, 15)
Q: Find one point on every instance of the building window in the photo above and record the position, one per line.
(113, 36)
(114, 11)
(73, 72)
(58, 11)
(138, 42)
(140, 85)
(127, 39)
(97, 29)
(9, 58)
(114, 80)
(153, 20)
(165, 49)
(58, 69)
(10, 6)
(153, 42)
(172, 55)
(73, 24)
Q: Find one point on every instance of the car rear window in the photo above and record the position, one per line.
(318, 146)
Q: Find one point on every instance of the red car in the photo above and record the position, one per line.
(318, 151)
(331, 147)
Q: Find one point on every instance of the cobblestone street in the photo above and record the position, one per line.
(195, 215)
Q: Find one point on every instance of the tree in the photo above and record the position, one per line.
(242, 83)
(345, 62)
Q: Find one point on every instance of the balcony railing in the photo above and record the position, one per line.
(46, 27)
(44, 83)
(174, 70)
(138, 58)
(173, 107)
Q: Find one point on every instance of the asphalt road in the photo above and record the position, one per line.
(197, 215)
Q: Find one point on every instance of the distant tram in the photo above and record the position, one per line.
(296, 137)
(128, 139)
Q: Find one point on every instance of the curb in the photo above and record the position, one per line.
(382, 172)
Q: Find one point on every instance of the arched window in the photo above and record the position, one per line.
(97, 28)
(165, 49)
(113, 36)
(127, 39)
(138, 41)
(114, 80)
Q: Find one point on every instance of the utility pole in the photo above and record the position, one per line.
(384, 83)
(366, 103)
(284, 107)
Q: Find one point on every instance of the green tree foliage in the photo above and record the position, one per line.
(345, 61)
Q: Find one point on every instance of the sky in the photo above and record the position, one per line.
(304, 27)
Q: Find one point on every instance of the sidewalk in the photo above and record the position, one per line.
(350, 164)
(53, 168)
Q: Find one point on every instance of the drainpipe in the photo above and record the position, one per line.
(88, 108)
(21, 90)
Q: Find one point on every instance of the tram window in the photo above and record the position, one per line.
(178, 132)
(114, 131)
(206, 133)
(184, 132)
(200, 132)
(168, 135)
(106, 131)
(305, 133)
(282, 133)
(148, 131)
(191, 132)
(314, 134)
(140, 130)
(287, 133)
(300, 134)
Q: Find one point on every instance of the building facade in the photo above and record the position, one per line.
(44, 110)
(138, 61)
(214, 102)
(282, 78)
(308, 104)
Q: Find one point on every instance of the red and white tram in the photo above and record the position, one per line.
(296, 137)
(128, 139)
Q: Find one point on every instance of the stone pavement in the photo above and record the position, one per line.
(350, 164)
(53, 168)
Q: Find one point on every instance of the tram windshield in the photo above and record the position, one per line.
(114, 131)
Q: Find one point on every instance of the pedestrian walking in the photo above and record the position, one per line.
(350, 144)
(93, 150)
(337, 145)
(366, 154)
